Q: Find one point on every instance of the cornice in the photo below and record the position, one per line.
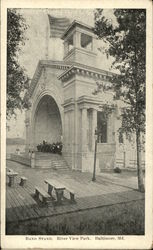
(75, 24)
(87, 102)
(69, 104)
(84, 70)
(70, 68)
(81, 50)
(90, 100)
(68, 101)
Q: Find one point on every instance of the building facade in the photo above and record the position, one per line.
(63, 106)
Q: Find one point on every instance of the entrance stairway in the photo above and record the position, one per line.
(48, 160)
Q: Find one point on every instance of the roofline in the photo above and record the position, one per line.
(66, 66)
(73, 24)
(45, 63)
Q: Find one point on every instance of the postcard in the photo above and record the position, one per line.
(76, 124)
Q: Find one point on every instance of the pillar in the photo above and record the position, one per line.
(94, 44)
(27, 125)
(84, 130)
(94, 125)
(32, 159)
(77, 39)
(65, 48)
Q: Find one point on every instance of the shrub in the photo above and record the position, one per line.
(117, 170)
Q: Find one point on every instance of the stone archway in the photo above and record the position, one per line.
(47, 121)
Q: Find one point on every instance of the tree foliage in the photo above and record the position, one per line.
(17, 80)
(127, 45)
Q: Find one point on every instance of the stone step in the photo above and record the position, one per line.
(49, 160)
(60, 168)
(40, 155)
(58, 163)
(52, 157)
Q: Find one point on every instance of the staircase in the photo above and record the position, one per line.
(48, 160)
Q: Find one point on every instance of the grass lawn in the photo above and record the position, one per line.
(119, 219)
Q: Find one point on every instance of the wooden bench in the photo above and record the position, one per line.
(42, 195)
(23, 181)
(11, 175)
(58, 187)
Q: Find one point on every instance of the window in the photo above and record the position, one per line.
(102, 127)
(70, 43)
(86, 42)
(120, 137)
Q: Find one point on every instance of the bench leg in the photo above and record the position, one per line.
(59, 196)
(50, 189)
(23, 183)
(11, 181)
(37, 194)
(44, 200)
(72, 197)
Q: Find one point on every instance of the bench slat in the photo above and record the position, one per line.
(71, 193)
(55, 184)
(70, 190)
(42, 192)
(12, 174)
(23, 178)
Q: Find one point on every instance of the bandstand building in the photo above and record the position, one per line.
(63, 106)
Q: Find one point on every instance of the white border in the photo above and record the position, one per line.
(130, 242)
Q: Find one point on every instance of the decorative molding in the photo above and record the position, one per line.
(75, 50)
(43, 84)
(89, 100)
(69, 105)
(87, 71)
(43, 64)
(70, 69)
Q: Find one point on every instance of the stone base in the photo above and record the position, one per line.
(41, 160)
(83, 162)
(69, 158)
(88, 163)
(21, 159)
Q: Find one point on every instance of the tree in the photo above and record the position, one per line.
(17, 80)
(126, 43)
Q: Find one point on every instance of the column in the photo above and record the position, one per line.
(94, 125)
(94, 44)
(77, 39)
(84, 130)
(65, 48)
(118, 152)
(27, 134)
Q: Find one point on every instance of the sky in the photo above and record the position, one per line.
(35, 46)
(37, 42)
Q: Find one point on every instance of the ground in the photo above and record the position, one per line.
(126, 179)
(111, 205)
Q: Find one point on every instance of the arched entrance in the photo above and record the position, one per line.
(47, 121)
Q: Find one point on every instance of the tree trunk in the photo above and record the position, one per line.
(139, 165)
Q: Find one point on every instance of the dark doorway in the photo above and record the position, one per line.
(102, 127)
